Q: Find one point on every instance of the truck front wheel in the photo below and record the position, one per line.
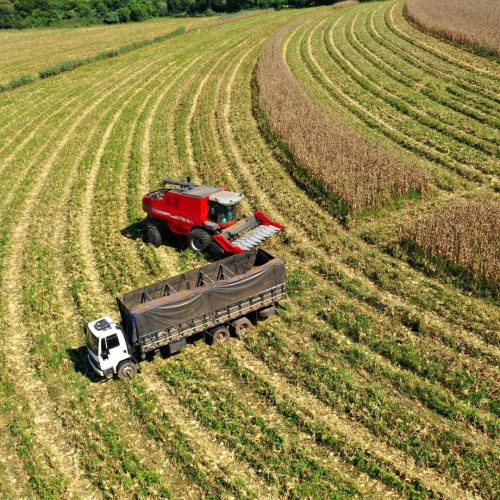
(220, 335)
(127, 369)
(199, 240)
(153, 234)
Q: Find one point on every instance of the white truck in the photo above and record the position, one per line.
(226, 296)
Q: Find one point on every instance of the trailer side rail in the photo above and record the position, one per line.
(225, 314)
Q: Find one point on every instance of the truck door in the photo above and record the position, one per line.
(113, 350)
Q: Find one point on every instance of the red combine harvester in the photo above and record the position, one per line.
(207, 216)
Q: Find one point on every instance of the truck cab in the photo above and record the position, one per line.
(107, 349)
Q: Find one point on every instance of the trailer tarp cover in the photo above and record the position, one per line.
(196, 293)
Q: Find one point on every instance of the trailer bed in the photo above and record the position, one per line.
(195, 301)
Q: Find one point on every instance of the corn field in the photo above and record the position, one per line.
(465, 235)
(377, 379)
(466, 22)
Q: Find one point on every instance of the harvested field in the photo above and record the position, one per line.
(465, 236)
(474, 23)
(376, 380)
(26, 52)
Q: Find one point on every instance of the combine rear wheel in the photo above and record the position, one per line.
(153, 234)
(199, 240)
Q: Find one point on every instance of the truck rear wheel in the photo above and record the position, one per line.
(127, 369)
(220, 335)
(199, 240)
(242, 326)
(265, 313)
(153, 234)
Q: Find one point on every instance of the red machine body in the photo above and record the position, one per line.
(207, 216)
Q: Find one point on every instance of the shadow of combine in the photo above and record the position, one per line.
(137, 231)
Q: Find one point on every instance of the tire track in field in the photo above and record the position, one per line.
(49, 431)
(13, 476)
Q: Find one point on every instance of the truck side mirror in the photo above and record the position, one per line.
(104, 349)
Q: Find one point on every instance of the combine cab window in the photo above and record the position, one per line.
(223, 214)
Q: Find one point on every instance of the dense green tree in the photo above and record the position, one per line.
(26, 13)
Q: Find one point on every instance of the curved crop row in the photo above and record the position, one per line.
(343, 394)
(357, 172)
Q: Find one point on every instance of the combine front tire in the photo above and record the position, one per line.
(153, 234)
(199, 240)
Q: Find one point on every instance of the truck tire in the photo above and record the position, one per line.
(265, 313)
(199, 239)
(153, 234)
(216, 250)
(219, 335)
(241, 327)
(127, 369)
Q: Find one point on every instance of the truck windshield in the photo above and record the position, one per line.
(92, 342)
(222, 214)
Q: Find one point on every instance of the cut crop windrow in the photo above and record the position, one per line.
(401, 63)
(450, 122)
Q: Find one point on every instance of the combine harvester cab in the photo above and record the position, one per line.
(224, 297)
(207, 216)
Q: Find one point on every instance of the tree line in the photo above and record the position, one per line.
(32, 13)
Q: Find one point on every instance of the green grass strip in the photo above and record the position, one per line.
(75, 63)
